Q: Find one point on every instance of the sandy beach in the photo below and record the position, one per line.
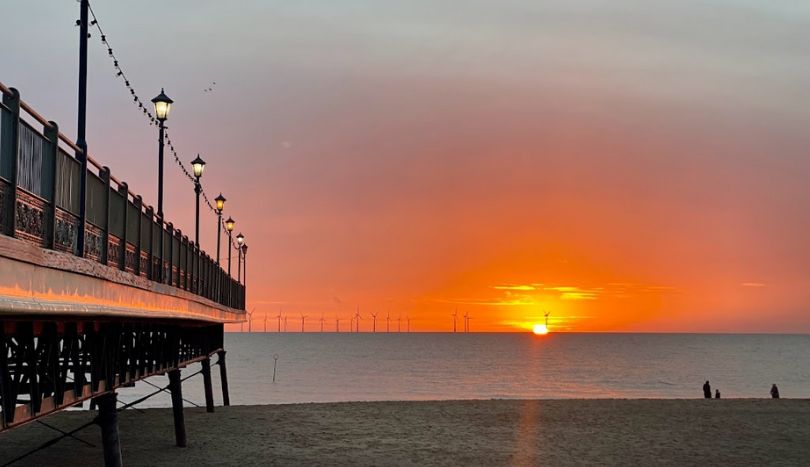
(496, 432)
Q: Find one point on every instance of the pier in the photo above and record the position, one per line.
(97, 291)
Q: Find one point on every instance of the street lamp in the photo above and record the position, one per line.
(244, 274)
(163, 105)
(220, 205)
(240, 240)
(197, 165)
(229, 224)
(244, 265)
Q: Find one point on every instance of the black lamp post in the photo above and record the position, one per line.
(229, 224)
(220, 204)
(163, 105)
(244, 274)
(240, 240)
(244, 265)
(198, 166)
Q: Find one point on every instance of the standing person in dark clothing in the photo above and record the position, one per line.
(707, 390)
(717, 394)
(774, 392)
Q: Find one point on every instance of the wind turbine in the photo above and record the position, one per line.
(303, 318)
(374, 321)
(337, 323)
(409, 323)
(466, 322)
(388, 321)
(455, 313)
(250, 320)
(279, 320)
(547, 314)
(285, 322)
(357, 319)
(322, 320)
(399, 323)
(265, 322)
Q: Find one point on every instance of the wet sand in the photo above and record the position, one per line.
(497, 432)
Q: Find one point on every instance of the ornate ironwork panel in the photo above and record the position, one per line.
(92, 242)
(113, 250)
(130, 259)
(144, 263)
(31, 218)
(65, 231)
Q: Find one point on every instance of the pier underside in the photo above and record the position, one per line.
(50, 364)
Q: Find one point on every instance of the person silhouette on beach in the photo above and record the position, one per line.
(707, 390)
(717, 394)
(774, 392)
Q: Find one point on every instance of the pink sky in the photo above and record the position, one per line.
(625, 165)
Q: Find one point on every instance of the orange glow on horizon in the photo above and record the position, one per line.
(540, 329)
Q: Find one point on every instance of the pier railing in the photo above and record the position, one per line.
(40, 197)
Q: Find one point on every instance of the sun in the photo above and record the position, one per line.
(540, 329)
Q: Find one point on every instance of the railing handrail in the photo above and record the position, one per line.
(62, 137)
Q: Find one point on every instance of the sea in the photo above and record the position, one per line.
(285, 368)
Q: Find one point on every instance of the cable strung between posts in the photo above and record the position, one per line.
(144, 107)
(46, 425)
(167, 390)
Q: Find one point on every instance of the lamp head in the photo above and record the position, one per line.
(240, 239)
(229, 224)
(163, 105)
(198, 166)
(220, 203)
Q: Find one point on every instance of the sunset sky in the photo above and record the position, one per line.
(626, 165)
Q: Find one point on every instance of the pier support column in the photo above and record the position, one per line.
(175, 386)
(209, 390)
(223, 373)
(107, 419)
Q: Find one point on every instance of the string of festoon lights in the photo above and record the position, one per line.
(143, 106)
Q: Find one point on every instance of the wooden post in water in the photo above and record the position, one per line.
(176, 388)
(209, 390)
(223, 373)
(107, 420)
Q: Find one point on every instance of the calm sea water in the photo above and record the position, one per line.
(368, 367)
